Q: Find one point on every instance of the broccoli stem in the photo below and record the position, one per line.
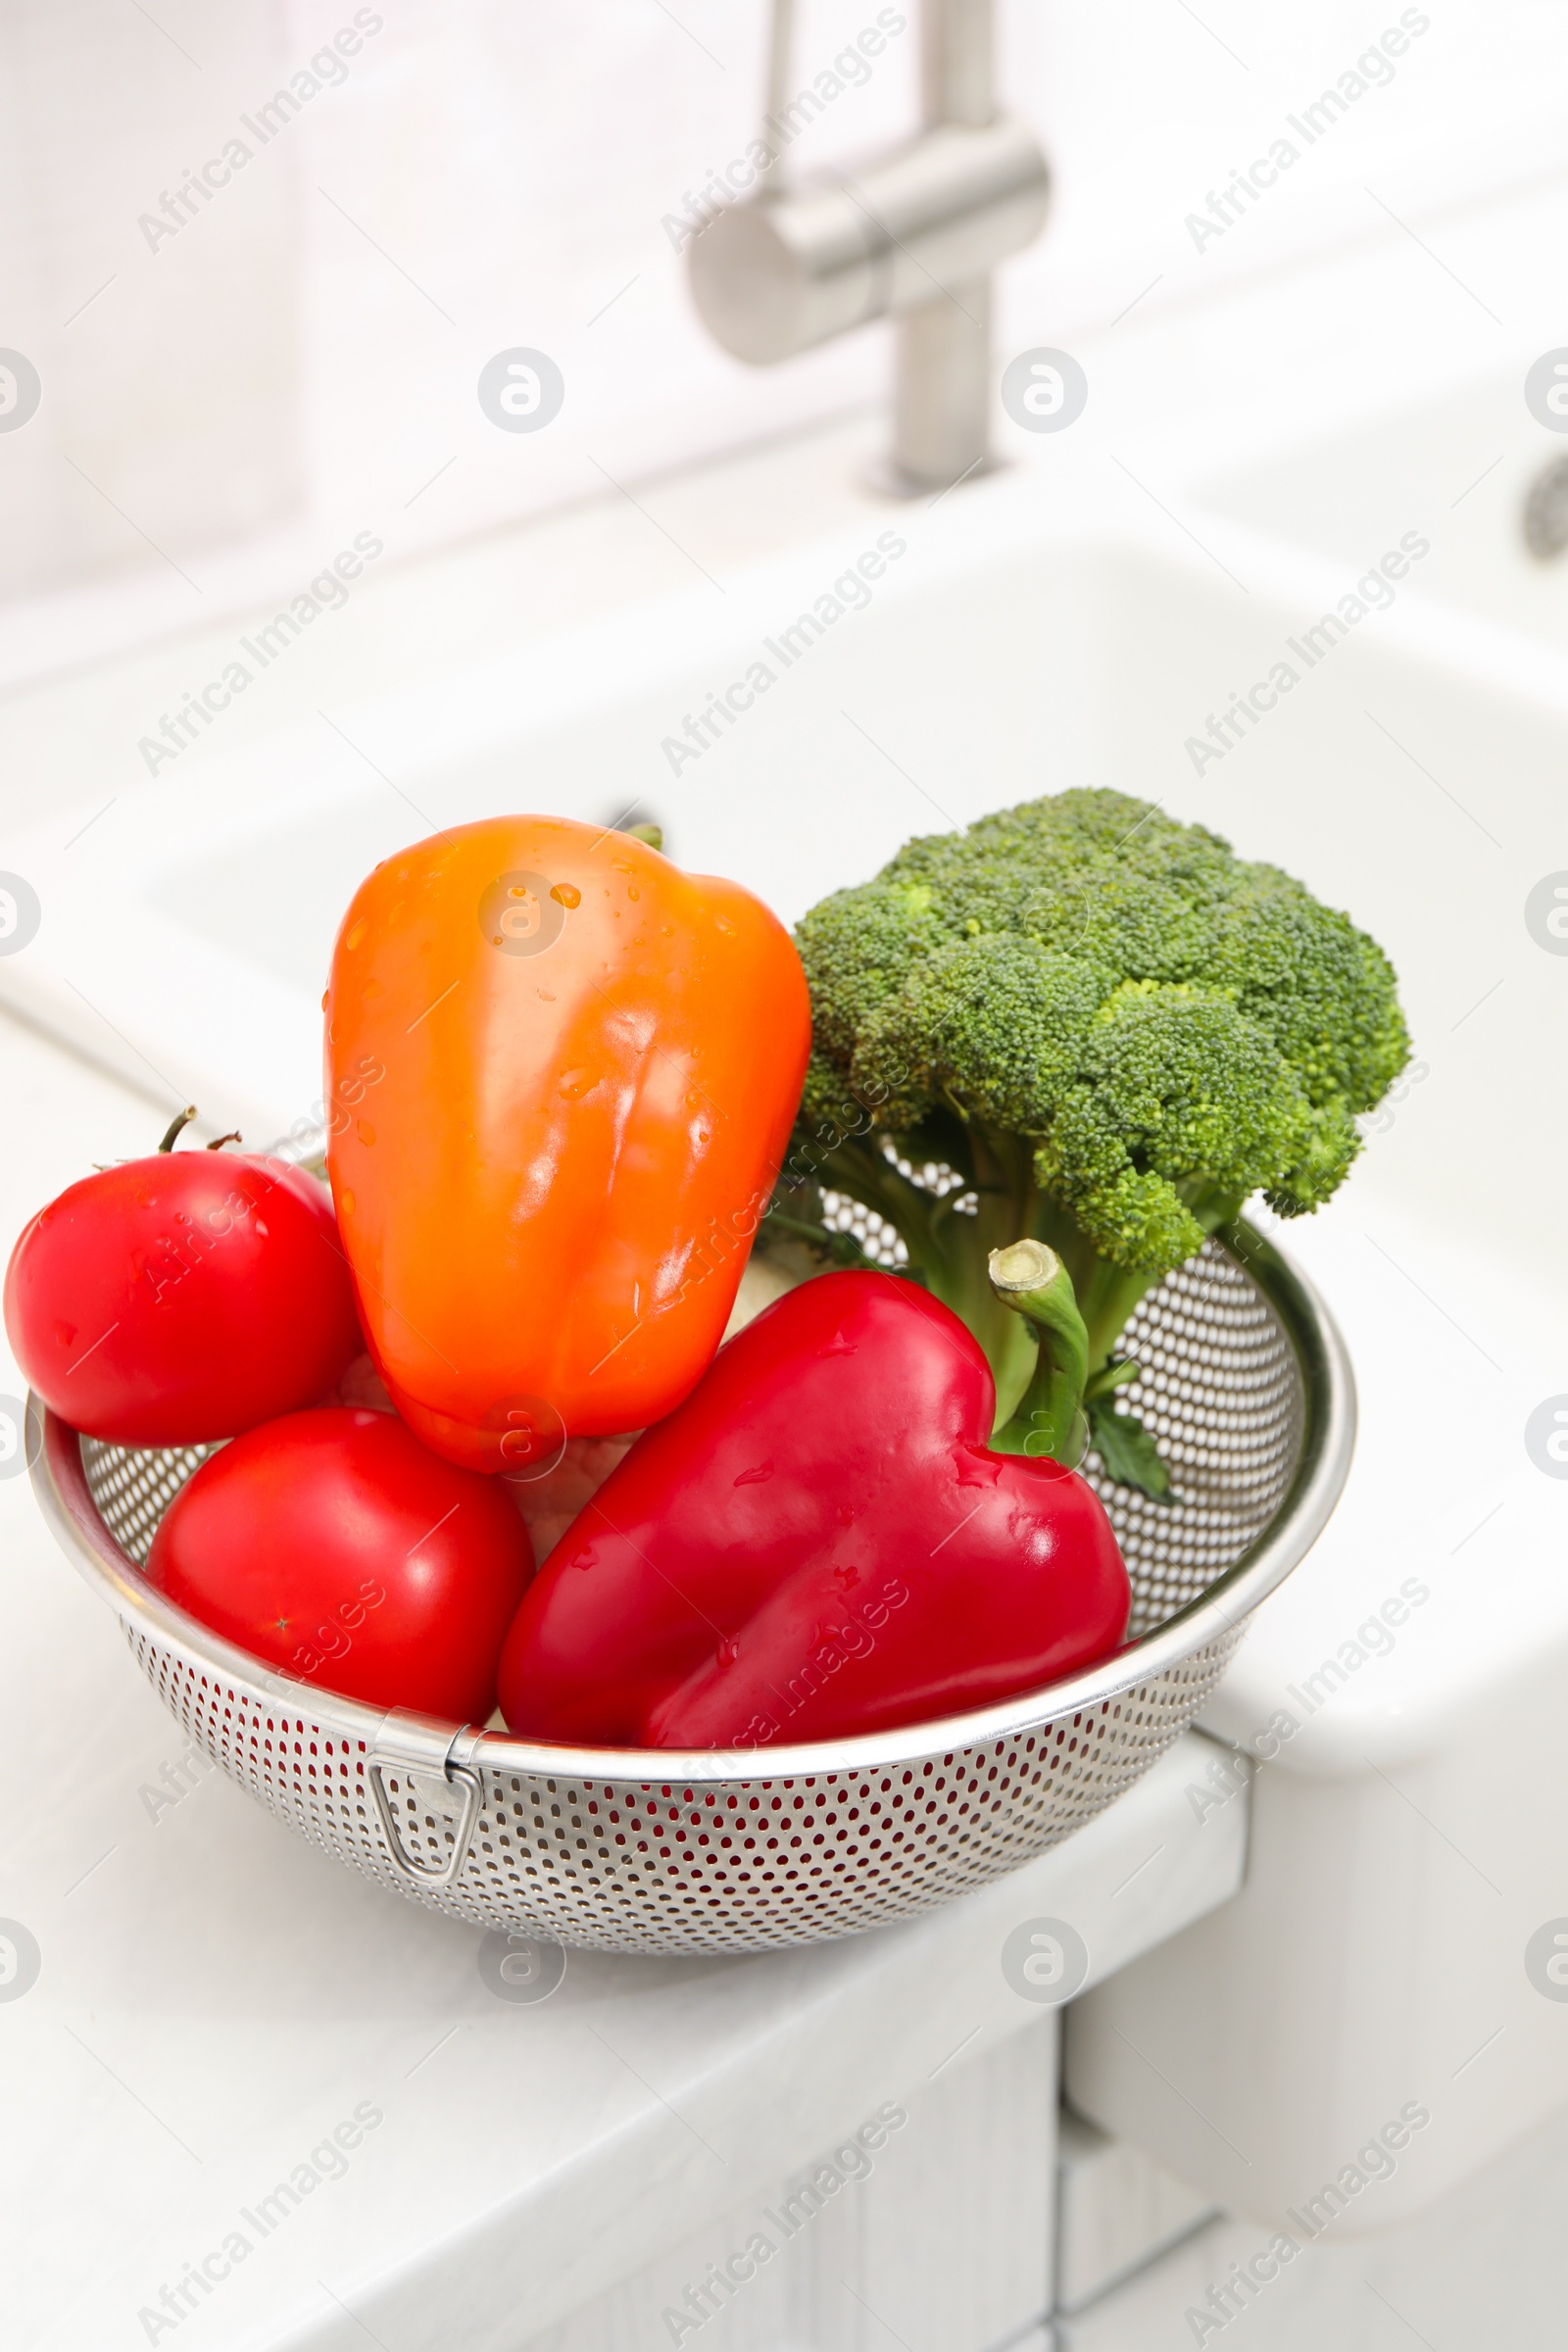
(1001, 1173)
(1107, 1294)
(1032, 1282)
(951, 1250)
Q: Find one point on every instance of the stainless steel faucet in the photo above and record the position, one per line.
(915, 236)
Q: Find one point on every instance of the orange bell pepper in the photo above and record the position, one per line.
(561, 1075)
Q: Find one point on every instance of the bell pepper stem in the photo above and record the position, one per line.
(1031, 1280)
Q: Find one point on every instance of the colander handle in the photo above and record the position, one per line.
(407, 1746)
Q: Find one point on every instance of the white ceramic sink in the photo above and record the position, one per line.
(1027, 639)
(1458, 465)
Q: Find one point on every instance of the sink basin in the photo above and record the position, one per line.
(1459, 467)
(1017, 644)
(1022, 641)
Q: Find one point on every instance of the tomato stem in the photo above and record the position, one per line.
(181, 1119)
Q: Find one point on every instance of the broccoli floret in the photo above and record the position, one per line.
(1112, 1029)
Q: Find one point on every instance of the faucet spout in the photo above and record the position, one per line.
(915, 236)
(942, 366)
(957, 71)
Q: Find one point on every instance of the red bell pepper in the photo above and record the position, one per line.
(822, 1539)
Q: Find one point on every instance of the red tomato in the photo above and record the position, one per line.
(182, 1297)
(335, 1544)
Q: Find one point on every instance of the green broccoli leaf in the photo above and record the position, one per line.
(1128, 1451)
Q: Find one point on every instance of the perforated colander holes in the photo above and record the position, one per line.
(1067, 1776)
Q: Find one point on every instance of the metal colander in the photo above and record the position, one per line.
(1246, 1385)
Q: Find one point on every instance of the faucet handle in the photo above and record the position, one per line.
(783, 271)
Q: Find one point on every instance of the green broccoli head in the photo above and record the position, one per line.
(1166, 1028)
